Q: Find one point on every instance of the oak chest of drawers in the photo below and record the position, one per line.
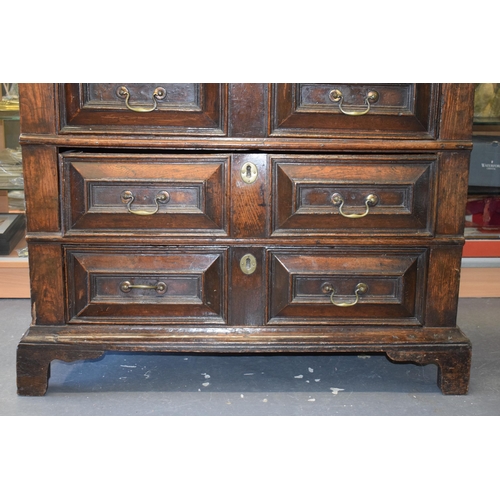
(245, 218)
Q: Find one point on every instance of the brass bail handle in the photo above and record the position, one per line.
(159, 93)
(128, 198)
(361, 288)
(371, 97)
(160, 287)
(370, 201)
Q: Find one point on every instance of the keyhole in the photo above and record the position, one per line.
(249, 264)
(249, 171)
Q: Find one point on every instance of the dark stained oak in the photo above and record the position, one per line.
(453, 365)
(306, 109)
(304, 187)
(302, 283)
(211, 223)
(42, 190)
(33, 365)
(189, 108)
(195, 188)
(105, 285)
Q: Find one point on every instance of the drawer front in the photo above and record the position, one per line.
(141, 285)
(365, 194)
(120, 193)
(354, 110)
(353, 287)
(139, 108)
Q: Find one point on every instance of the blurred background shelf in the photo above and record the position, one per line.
(14, 270)
(14, 274)
(480, 275)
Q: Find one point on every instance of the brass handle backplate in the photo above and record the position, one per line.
(370, 201)
(159, 93)
(128, 198)
(160, 287)
(361, 288)
(371, 97)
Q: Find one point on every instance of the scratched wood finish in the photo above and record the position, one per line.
(452, 193)
(38, 108)
(249, 201)
(235, 262)
(47, 282)
(443, 285)
(456, 111)
(248, 110)
(41, 189)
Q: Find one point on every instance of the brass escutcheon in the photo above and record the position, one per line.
(248, 263)
(249, 172)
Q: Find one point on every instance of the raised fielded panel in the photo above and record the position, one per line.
(338, 110)
(144, 285)
(167, 193)
(353, 194)
(354, 286)
(180, 108)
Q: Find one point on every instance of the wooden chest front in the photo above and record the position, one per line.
(245, 218)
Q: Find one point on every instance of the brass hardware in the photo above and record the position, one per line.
(337, 96)
(370, 201)
(128, 198)
(361, 288)
(160, 287)
(159, 93)
(249, 173)
(248, 263)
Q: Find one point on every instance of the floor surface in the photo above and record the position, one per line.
(254, 385)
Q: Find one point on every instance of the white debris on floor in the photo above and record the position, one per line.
(336, 390)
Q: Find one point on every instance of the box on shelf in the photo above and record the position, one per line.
(484, 171)
(483, 213)
(12, 227)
